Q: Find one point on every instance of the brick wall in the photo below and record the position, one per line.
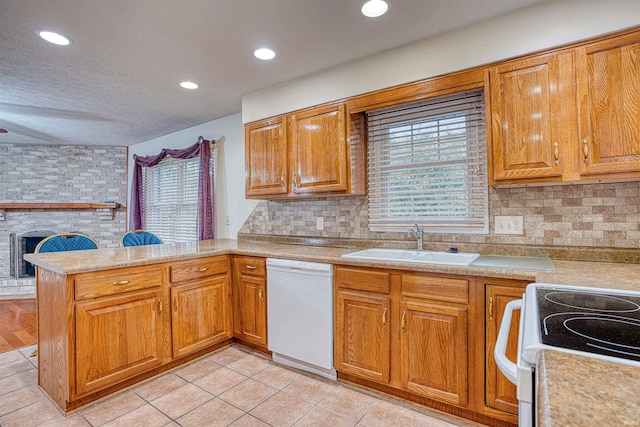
(594, 215)
(56, 173)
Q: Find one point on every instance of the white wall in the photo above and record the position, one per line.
(542, 26)
(228, 133)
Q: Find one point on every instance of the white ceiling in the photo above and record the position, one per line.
(117, 83)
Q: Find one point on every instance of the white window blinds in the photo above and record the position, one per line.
(170, 198)
(427, 165)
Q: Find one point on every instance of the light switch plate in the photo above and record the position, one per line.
(508, 225)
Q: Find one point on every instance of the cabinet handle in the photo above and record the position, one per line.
(491, 308)
(201, 269)
(159, 306)
(295, 180)
(175, 303)
(585, 151)
(282, 180)
(250, 267)
(404, 321)
(384, 317)
(261, 294)
(556, 154)
(122, 282)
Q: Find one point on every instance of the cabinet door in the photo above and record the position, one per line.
(116, 338)
(362, 335)
(200, 314)
(433, 351)
(251, 294)
(609, 92)
(525, 110)
(266, 158)
(500, 393)
(319, 149)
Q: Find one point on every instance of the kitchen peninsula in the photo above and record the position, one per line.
(150, 292)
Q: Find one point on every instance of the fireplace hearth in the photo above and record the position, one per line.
(21, 244)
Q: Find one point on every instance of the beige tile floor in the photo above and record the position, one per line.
(231, 387)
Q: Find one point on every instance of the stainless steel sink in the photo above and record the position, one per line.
(420, 257)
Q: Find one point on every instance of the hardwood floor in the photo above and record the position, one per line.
(18, 324)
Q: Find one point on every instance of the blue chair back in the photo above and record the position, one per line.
(63, 242)
(139, 238)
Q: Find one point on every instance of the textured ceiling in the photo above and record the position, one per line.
(117, 83)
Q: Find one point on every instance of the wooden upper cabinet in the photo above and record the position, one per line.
(266, 158)
(311, 152)
(319, 150)
(525, 111)
(609, 94)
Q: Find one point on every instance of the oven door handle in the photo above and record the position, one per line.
(506, 366)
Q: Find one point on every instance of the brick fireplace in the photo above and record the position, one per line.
(57, 174)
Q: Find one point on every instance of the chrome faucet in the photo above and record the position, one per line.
(417, 232)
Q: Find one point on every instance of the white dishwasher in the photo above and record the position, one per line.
(300, 315)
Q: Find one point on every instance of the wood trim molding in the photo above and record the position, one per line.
(47, 205)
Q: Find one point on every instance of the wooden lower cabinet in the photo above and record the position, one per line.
(433, 351)
(500, 393)
(362, 334)
(250, 300)
(201, 314)
(117, 337)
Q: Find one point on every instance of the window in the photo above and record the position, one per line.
(427, 165)
(170, 198)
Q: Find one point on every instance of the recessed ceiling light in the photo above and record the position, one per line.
(189, 85)
(374, 8)
(4, 131)
(264, 53)
(54, 38)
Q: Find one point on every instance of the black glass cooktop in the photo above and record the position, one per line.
(607, 324)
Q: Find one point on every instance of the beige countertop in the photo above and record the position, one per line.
(584, 391)
(577, 273)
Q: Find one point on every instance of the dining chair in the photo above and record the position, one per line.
(139, 238)
(62, 242)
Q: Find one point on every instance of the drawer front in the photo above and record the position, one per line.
(436, 288)
(362, 279)
(250, 266)
(92, 285)
(198, 269)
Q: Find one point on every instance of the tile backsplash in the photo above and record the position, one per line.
(592, 215)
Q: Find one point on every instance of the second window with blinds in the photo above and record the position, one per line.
(170, 199)
(427, 165)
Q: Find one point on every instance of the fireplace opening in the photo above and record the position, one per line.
(21, 244)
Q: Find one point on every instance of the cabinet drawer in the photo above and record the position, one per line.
(436, 288)
(363, 279)
(92, 285)
(250, 265)
(198, 269)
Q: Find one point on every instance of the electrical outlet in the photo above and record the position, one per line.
(509, 225)
(228, 220)
(319, 223)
